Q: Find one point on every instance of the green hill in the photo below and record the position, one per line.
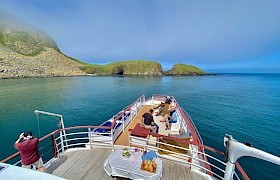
(24, 42)
(184, 70)
(27, 52)
(129, 68)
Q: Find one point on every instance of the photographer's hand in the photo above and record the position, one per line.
(20, 137)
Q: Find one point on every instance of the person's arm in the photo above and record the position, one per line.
(37, 140)
(16, 145)
(153, 122)
(174, 116)
(19, 138)
(142, 121)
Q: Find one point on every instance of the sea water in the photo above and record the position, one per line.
(247, 106)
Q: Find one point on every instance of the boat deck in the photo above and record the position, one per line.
(88, 164)
(123, 138)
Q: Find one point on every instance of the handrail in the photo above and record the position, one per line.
(56, 132)
(192, 128)
(196, 136)
(123, 111)
(159, 136)
(189, 124)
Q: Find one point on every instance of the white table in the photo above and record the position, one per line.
(117, 165)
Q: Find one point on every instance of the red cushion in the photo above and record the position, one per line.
(140, 131)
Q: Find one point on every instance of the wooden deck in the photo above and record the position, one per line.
(88, 164)
(123, 138)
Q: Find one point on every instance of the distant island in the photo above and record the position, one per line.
(140, 68)
(27, 52)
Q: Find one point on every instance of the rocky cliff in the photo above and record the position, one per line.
(26, 52)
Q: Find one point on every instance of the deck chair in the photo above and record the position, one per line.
(175, 143)
(165, 109)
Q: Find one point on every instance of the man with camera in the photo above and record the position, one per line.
(29, 151)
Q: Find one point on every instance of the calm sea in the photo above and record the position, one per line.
(247, 106)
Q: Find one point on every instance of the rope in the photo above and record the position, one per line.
(38, 126)
(50, 119)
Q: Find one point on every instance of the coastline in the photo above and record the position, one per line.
(106, 75)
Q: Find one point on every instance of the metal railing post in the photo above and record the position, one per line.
(89, 138)
(62, 141)
(54, 146)
(113, 138)
(191, 158)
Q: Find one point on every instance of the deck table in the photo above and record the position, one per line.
(129, 167)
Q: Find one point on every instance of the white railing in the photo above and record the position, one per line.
(124, 117)
(187, 159)
(77, 137)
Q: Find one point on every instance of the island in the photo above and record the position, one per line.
(28, 52)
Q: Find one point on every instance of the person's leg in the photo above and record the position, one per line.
(147, 126)
(42, 169)
(167, 125)
(164, 118)
(40, 165)
(170, 122)
(26, 166)
(160, 110)
(152, 128)
(156, 127)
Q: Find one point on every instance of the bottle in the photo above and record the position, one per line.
(145, 151)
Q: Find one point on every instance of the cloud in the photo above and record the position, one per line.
(194, 32)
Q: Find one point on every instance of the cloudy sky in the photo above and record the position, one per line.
(217, 36)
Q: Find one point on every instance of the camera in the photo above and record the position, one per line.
(28, 134)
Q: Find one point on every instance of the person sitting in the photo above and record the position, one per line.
(148, 122)
(182, 134)
(157, 109)
(168, 100)
(162, 105)
(170, 118)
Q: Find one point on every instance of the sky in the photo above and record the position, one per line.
(216, 36)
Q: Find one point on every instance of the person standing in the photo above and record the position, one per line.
(29, 151)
